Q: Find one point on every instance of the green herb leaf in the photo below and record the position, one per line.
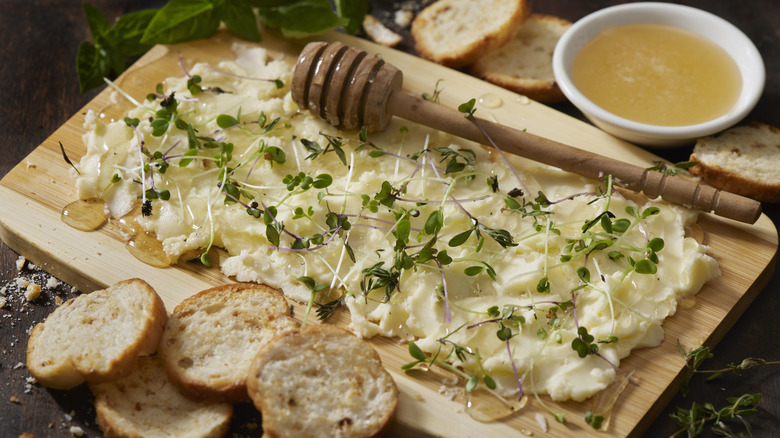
(127, 31)
(239, 17)
(98, 23)
(434, 223)
(473, 270)
(92, 65)
(226, 121)
(302, 18)
(472, 383)
(181, 20)
(460, 238)
(416, 352)
(354, 11)
(467, 108)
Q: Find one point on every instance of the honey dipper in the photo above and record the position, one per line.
(351, 88)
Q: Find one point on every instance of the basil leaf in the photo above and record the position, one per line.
(354, 11)
(181, 20)
(98, 23)
(128, 30)
(269, 3)
(239, 17)
(302, 18)
(92, 66)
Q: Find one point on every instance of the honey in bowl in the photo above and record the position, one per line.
(658, 75)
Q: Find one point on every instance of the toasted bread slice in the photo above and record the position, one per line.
(457, 32)
(97, 336)
(321, 381)
(212, 337)
(524, 64)
(744, 160)
(145, 404)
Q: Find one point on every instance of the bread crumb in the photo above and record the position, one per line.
(542, 420)
(3, 301)
(58, 301)
(13, 399)
(28, 435)
(450, 381)
(20, 263)
(76, 431)
(52, 283)
(403, 18)
(22, 282)
(32, 292)
(449, 392)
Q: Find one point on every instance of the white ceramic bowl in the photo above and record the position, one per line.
(718, 30)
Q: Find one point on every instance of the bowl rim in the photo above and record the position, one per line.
(687, 17)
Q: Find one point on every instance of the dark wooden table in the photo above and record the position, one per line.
(39, 92)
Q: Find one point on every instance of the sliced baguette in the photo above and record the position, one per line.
(321, 381)
(212, 337)
(96, 337)
(744, 160)
(457, 32)
(145, 404)
(524, 64)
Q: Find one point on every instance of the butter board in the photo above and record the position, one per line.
(37, 189)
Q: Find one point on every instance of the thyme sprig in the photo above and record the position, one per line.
(693, 421)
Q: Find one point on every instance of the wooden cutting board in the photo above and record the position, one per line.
(33, 194)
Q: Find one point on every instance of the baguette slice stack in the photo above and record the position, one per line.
(222, 345)
(456, 33)
(500, 41)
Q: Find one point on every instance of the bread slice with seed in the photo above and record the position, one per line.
(524, 64)
(96, 337)
(744, 160)
(321, 381)
(212, 337)
(146, 404)
(457, 32)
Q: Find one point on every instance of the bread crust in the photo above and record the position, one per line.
(524, 64)
(730, 161)
(81, 339)
(469, 35)
(212, 337)
(347, 380)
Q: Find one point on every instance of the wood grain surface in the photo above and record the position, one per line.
(33, 193)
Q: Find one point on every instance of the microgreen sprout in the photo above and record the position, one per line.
(67, 160)
(674, 169)
(433, 97)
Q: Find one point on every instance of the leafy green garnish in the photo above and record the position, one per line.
(674, 169)
(133, 34)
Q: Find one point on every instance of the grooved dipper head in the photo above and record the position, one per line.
(345, 86)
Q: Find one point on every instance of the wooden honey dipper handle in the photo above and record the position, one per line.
(351, 89)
